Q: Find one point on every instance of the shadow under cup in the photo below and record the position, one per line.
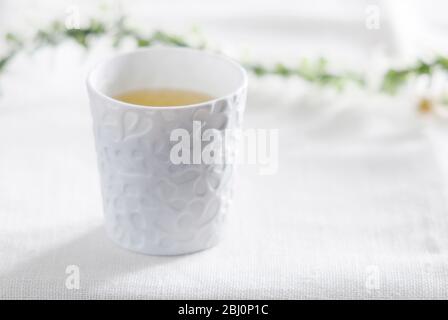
(153, 204)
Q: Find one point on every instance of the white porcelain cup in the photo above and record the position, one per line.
(151, 204)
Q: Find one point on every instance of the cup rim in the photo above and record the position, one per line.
(233, 62)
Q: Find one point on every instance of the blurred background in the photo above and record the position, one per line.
(362, 173)
(266, 27)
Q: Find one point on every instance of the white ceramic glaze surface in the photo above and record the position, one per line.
(152, 205)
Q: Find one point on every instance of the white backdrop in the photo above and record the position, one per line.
(358, 208)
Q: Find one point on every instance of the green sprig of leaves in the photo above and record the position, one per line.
(316, 72)
(313, 72)
(394, 79)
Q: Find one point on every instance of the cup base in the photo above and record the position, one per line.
(158, 251)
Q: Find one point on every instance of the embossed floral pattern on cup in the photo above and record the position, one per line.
(152, 205)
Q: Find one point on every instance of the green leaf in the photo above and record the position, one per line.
(282, 70)
(258, 69)
(394, 79)
(165, 38)
(443, 62)
(141, 42)
(6, 59)
(423, 68)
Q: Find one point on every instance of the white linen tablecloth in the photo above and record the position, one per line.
(351, 213)
(357, 209)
